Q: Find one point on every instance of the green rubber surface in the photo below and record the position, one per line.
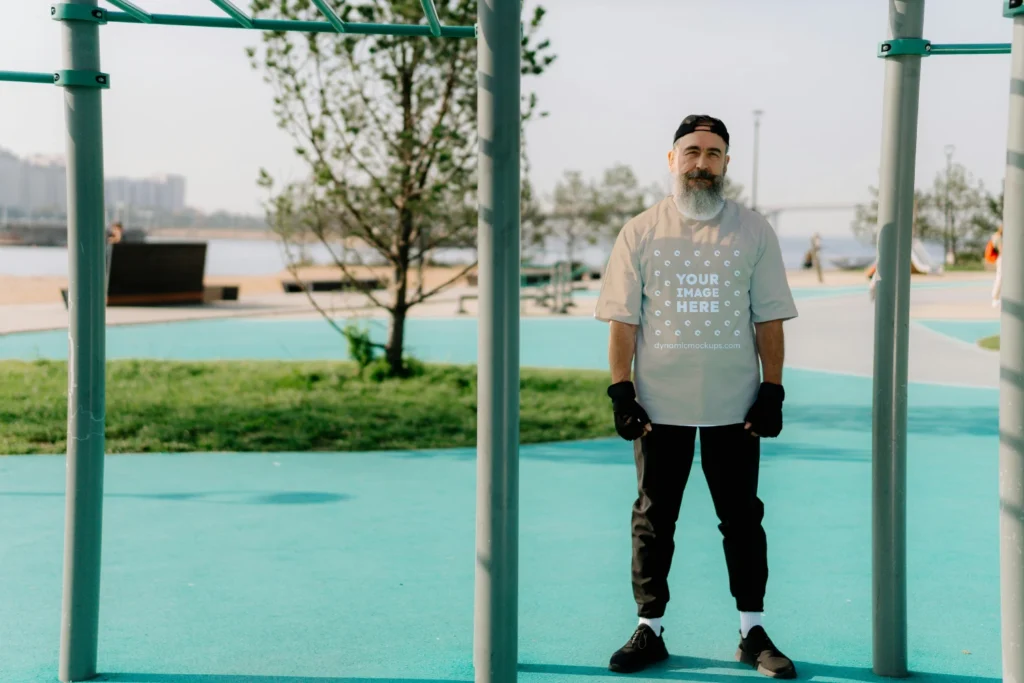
(339, 568)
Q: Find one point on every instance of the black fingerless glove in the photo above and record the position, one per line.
(765, 416)
(630, 417)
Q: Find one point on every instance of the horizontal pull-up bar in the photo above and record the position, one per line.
(972, 49)
(82, 78)
(925, 48)
(26, 77)
(301, 26)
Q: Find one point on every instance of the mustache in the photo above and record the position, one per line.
(700, 174)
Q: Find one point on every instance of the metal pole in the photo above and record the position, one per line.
(892, 313)
(949, 149)
(497, 527)
(86, 356)
(1011, 383)
(757, 151)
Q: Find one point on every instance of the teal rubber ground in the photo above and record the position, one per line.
(340, 568)
(358, 567)
(569, 342)
(969, 331)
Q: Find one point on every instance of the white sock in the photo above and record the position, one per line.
(655, 624)
(749, 620)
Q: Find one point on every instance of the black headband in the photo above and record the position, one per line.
(696, 122)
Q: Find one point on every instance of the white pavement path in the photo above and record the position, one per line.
(837, 334)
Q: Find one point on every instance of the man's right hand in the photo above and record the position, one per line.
(631, 420)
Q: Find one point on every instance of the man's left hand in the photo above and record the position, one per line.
(765, 417)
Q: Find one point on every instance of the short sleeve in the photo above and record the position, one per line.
(770, 296)
(621, 295)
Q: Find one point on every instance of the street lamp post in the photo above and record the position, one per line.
(950, 256)
(757, 145)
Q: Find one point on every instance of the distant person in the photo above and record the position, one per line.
(695, 290)
(996, 249)
(814, 255)
(115, 234)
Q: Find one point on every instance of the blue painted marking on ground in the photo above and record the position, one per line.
(965, 330)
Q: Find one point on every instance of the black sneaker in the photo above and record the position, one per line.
(643, 649)
(758, 651)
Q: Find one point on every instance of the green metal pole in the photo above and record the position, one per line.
(1011, 382)
(892, 330)
(86, 356)
(354, 28)
(971, 49)
(430, 11)
(26, 77)
(495, 651)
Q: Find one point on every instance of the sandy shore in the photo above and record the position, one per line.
(35, 303)
(16, 290)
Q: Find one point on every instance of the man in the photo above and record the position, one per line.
(696, 290)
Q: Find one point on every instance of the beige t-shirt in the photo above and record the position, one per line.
(695, 288)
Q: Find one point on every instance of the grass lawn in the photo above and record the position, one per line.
(156, 406)
(991, 343)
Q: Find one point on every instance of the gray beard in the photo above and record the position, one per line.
(698, 203)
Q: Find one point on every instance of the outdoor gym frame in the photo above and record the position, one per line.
(498, 33)
(903, 52)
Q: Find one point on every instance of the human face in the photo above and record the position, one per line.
(698, 163)
(700, 151)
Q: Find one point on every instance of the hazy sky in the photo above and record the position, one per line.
(185, 100)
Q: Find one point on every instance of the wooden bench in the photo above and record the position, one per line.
(160, 274)
(332, 285)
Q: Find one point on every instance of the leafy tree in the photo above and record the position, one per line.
(956, 205)
(585, 211)
(972, 214)
(533, 221)
(387, 128)
(576, 216)
(865, 221)
(991, 218)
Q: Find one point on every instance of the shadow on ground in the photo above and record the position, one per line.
(246, 678)
(929, 420)
(675, 669)
(717, 671)
(215, 497)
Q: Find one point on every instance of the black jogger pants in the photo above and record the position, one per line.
(730, 458)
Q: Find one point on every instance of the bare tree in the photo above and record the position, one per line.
(387, 126)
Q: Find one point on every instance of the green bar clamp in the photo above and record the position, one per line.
(905, 46)
(476, 31)
(81, 78)
(1013, 8)
(68, 12)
